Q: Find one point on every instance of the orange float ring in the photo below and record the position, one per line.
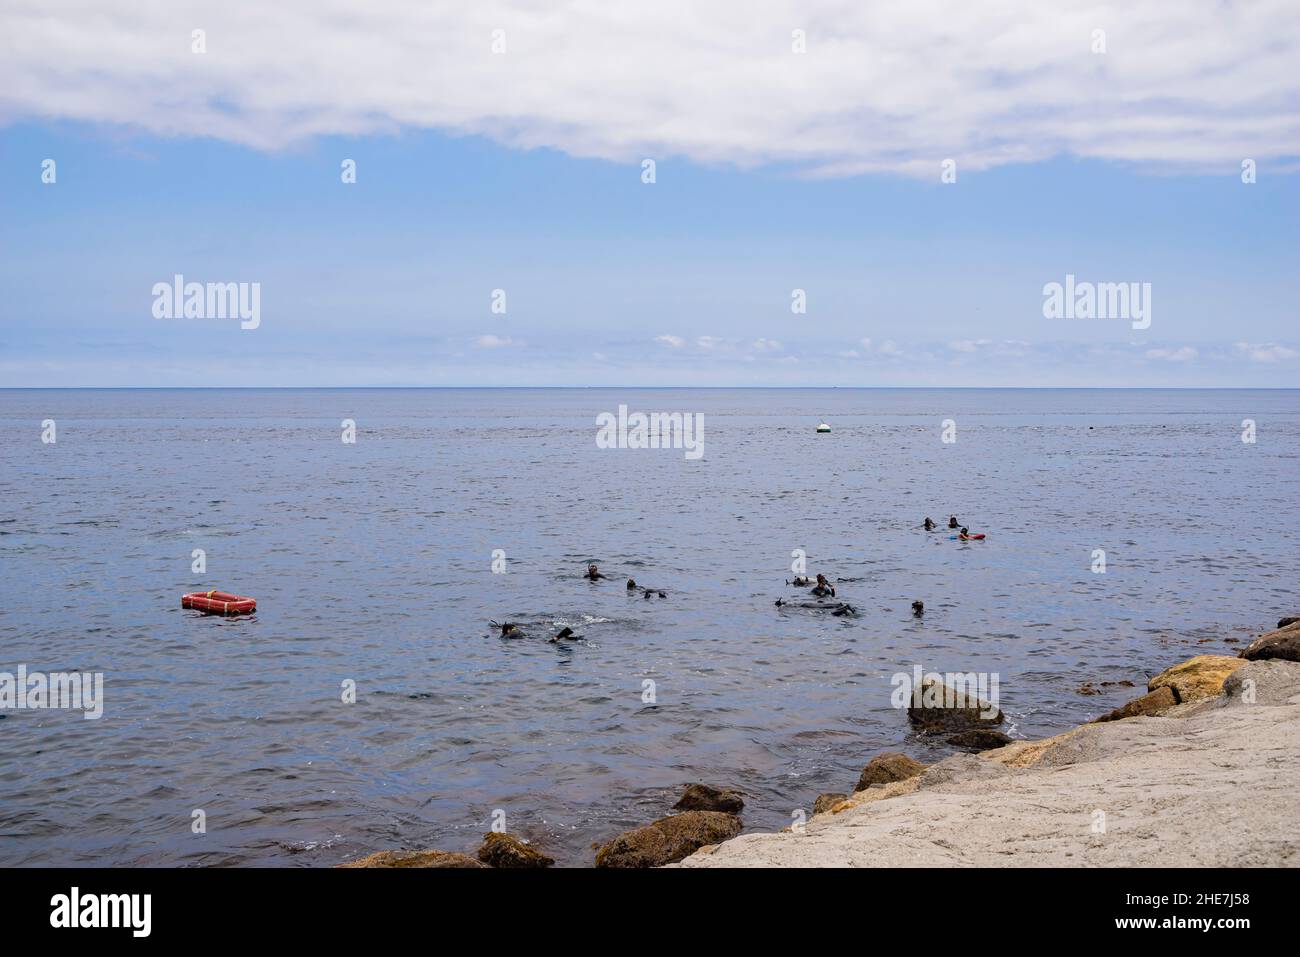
(219, 603)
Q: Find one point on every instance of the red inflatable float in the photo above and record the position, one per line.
(219, 603)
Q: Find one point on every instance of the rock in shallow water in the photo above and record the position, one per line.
(887, 768)
(505, 850)
(1284, 644)
(701, 797)
(1196, 678)
(668, 839)
(944, 708)
(414, 859)
(979, 739)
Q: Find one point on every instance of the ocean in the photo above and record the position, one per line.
(372, 563)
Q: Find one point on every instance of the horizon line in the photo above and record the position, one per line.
(628, 388)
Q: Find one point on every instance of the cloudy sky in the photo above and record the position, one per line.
(796, 146)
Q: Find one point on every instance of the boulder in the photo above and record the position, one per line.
(701, 797)
(668, 839)
(1284, 644)
(944, 708)
(979, 739)
(415, 859)
(1149, 704)
(825, 802)
(1196, 678)
(887, 768)
(1263, 683)
(505, 850)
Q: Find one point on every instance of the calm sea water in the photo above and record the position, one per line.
(372, 562)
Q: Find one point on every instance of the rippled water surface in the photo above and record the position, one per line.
(373, 562)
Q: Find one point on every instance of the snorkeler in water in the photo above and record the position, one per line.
(823, 587)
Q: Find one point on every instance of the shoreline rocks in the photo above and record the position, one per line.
(507, 851)
(979, 739)
(668, 840)
(1283, 643)
(1196, 678)
(1174, 787)
(827, 801)
(1150, 704)
(702, 797)
(940, 707)
(886, 769)
(415, 859)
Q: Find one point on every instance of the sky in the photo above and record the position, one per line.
(915, 174)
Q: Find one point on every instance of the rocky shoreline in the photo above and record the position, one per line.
(1203, 769)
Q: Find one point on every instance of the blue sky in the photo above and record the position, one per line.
(612, 281)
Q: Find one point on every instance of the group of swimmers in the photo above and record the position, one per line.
(511, 629)
(820, 588)
(594, 574)
(963, 533)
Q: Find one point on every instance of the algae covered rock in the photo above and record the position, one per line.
(979, 739)
(825, 802)
(887, 768)
(938, 706)
(1197, 678)
(414, 859)
(668, 839)
(702, 797)
(505, 850)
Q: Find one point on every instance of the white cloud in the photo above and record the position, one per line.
(496, 342)
(707, 342)
(675, 341)
(767, 345)
(1183, 354)
(1266, 353)
(969, 345)
(881, 87)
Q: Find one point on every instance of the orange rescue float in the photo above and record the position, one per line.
(219, 603)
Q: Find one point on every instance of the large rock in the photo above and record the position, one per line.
(414, 859)
(979, 739)
(1263, 683)
(1196, 678)
(701, 797)
(945, 708)
(504, 850)
(1284, 644)
(1149, 704)
(668, 839)
(887, 768)
(825, 802)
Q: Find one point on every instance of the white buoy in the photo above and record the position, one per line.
(823, 427)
